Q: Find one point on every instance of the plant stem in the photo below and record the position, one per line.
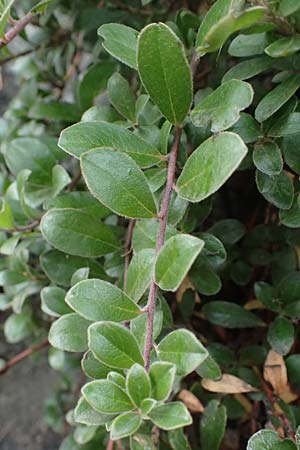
(110, 444)
(163, 217)
(15, 30)
(24, 354)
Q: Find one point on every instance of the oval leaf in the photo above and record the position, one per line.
(175, 260)
(84, 136)
(138, 384)
(210, 165)
(114, 345)
(74, 232)
(182, 349)
(99, 300)
(165, 72)
(69, 333)
(230, 315)
(123, 188)
(170, 416)
(222, 107)
(106, 397)
(120, 41)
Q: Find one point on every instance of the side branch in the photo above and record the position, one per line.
(23, 355)
(16, 29)
(163, 217)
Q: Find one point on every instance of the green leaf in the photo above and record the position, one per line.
(94, 82)
(285, 126)
(247, 128)
(221, 108)
(67, 112)
(125, 425)
(85, 136)
(138, 327)
(121, 96)
(228, 23)
(5, 6)
(267, 158)
(175, 260)
(178, 440)
(69, 333)
(284, 47)
(41, 6)
(74, 232)
(114, 345)
(128, 196)
(59, 267)
(162, 376)
(263, 440)
(145, 233)
(140, 272)
(281, 335)
(170, 416)
(210, 165)
(18, 326)
(275, 99)
(121, 42)
(85, 414)
(79, 200)
(213, 425)
(6, 215)
(181, 348)
(53, 301)
(230, 315)
(248, 44)
(99, 300)
(92, 367)
(106, 397)
(209, 369)
(138, 384)
(164, 71)
(248, 69)
(277, 189)
(291, 217)
(288, 7)
(290, 147)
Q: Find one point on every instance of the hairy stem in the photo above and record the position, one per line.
(16, 29)
(23, 355)
(163, 217)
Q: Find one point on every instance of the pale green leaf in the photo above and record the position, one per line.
(140, 272)
(74, 232)
(123, 188)
(120, 41)
(210, 165)
(99, 300)
(165, 72)
(121, 96)
(125, 425)
(69, 333)
(221, 108)
(175, 260)
(106, 397)
(170, 416)
(114, 345)
(84, 136)
(162, 376)
(138, 384)
(183, 349)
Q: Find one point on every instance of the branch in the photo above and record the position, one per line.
(110, 444)
(15, 30)
(163, 216)
(23, 355)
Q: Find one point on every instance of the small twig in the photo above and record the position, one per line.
(18, 55)
(128, 246)
(163, 216)
(110, 444)
(31, 226)
(23, 355)
(74, 182)
(16, 29)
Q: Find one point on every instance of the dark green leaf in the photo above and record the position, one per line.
(213, 424)
(281, 335)
(121, 42)
(230, 315)
(106, 397)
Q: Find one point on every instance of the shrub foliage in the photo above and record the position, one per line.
(150, 218)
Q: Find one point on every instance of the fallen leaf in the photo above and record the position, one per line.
(191, 401)
(275, 373)
(228, 384)
(253, 304)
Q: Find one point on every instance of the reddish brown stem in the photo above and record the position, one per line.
(163, 216)
(23, 355)
(15, 30)
(110, 444)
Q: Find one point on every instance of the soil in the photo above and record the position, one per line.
(23, 390)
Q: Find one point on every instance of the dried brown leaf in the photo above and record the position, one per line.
(191, 401)
(228, 384)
